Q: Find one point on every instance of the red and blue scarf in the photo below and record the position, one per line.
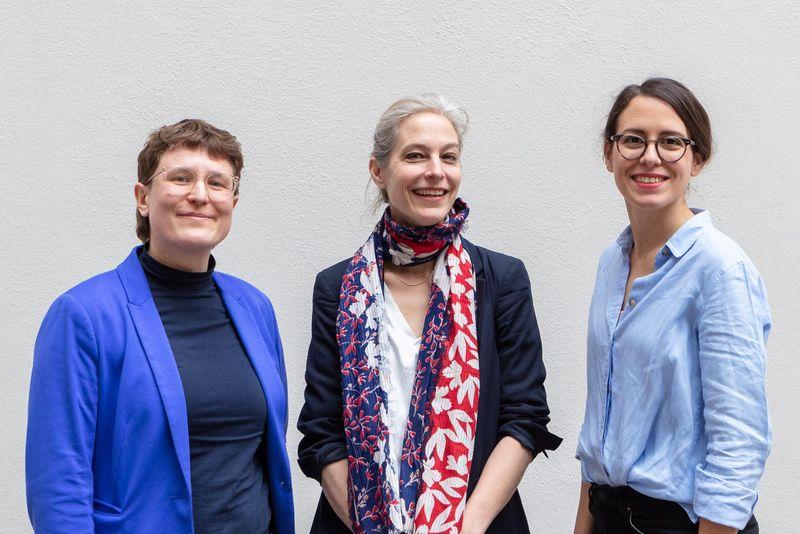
(442, 416)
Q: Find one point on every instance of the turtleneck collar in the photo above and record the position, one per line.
(175, 279)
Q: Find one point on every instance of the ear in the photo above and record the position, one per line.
(376, 172)
(697, 165)
(235, 200)
(141, 192)
(607, 147)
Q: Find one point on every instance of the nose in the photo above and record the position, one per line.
(435, 169)
(650, 155)
(198, 193)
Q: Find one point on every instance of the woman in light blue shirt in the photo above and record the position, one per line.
(676, 431)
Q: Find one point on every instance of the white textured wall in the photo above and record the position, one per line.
(302, 83)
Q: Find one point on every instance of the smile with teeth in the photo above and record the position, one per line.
(648, 179)
(429, 192)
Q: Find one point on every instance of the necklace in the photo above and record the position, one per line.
(427, 278)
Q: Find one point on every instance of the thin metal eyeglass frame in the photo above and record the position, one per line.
(233, 191)
(616, 137)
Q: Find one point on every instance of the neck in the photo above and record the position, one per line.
(192, 262)
(652, 228)
(419, 270)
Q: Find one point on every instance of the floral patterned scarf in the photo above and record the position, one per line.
(440, 432)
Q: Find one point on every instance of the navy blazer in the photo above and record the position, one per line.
(512, 401)
(108, 439)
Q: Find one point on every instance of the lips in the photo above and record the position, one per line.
(194, 215)
(649, 179)
(430, 192)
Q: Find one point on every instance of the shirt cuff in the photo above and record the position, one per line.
(311, 465)
(534, 438)
(722, 501)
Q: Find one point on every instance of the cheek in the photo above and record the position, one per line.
(226, 214)
(395, 191)
(158, 212)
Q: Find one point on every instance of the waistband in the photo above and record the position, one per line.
(616, 496)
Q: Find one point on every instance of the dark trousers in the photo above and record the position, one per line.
(621, 510)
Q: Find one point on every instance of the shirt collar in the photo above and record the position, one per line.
(682, 240)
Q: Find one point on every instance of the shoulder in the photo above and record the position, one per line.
(500, 270)
(491, 258)
(612, 250)
(94, 293)
(84, 312)
(329, 279)
(87, 290)
(715, 254)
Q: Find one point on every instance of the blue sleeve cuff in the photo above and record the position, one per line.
(722, 501)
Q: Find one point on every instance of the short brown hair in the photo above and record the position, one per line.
(679, 98)
(188, 133)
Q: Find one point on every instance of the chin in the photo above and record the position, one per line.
(429, 219)
(198, 243)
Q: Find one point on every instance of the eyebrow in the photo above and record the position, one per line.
(198, 170)
(425, 147)
(662, 132)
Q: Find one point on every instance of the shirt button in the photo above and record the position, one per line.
(632, 302)
(665, 252)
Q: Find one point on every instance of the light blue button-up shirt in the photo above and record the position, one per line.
(675, 404)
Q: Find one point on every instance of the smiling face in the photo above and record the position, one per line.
(423, 171)
(648, 183)
(185, 226)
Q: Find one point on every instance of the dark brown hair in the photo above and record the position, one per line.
(188, 133)
(679, 98)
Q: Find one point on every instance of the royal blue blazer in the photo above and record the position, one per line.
(108, 440)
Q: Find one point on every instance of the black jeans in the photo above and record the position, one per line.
(621, 510)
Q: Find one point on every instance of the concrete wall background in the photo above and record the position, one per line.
(302, 84)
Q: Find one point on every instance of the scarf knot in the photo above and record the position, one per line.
(412, 245)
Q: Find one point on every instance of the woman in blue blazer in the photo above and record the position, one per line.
(425, 399)
(158, 391)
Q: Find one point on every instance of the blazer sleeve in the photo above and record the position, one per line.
(62, 412)
(320, 419)
(524, 413)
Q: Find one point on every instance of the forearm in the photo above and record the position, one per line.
(499, 480)
(334, 486)
(584, 520)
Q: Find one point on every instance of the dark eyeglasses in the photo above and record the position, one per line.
(669, 148)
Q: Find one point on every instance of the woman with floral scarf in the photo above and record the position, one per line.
(424, 400)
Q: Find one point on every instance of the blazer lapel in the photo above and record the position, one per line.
(257, 350)
(480, 289)
(153, 338)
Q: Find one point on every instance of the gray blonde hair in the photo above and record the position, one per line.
(386, 130)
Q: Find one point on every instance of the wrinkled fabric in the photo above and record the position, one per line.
(675, 404)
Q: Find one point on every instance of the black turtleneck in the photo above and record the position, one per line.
(225, 403)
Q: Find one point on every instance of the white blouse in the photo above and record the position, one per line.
(400, 360)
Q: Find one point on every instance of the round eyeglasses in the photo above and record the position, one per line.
(180, 180)
(670, 148)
